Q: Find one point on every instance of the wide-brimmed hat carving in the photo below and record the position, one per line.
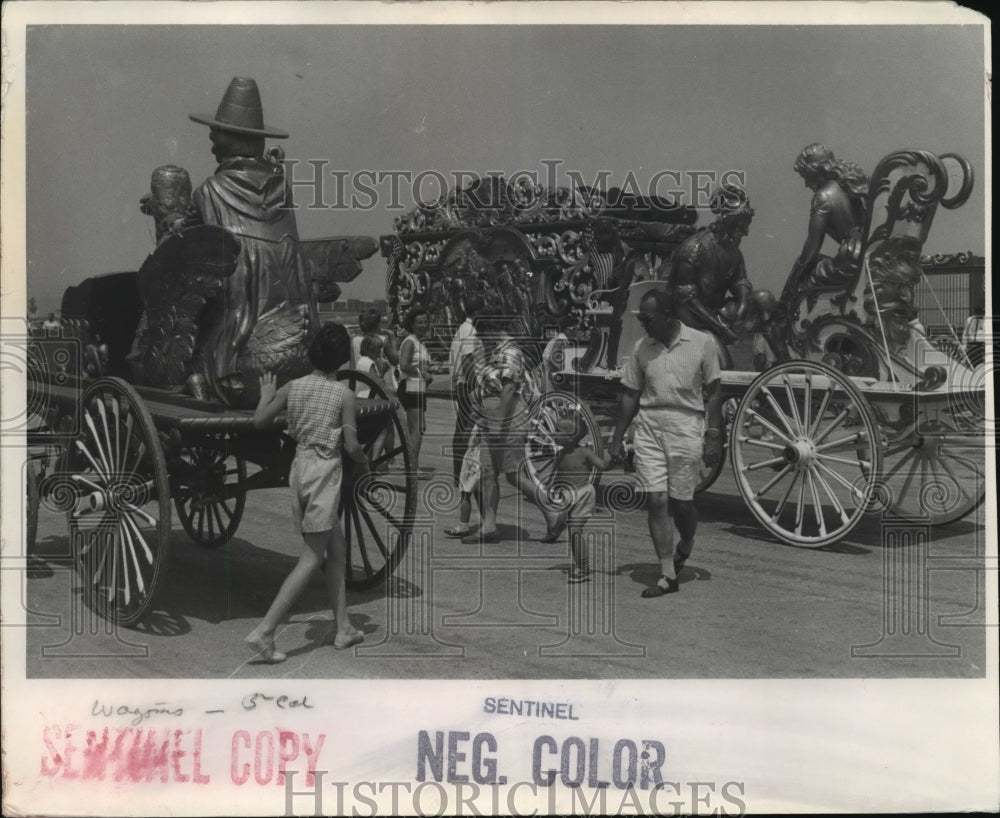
(240, 111)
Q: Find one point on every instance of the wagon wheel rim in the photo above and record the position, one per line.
(119, 514)
(376, 515)
(707, 475)
(933, 475)
(206, 496)
(805, 453)
(540, 447)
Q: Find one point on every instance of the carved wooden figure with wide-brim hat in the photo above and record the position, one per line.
(240, 111)
(235, 293)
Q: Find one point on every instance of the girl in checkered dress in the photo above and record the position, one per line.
(321, 420)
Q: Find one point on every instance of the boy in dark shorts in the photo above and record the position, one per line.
(571, 495)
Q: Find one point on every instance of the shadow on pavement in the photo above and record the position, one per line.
(714, 506)
(162, 623)
(646, 573)
(237, 581)
(320, 633)
(757, 534)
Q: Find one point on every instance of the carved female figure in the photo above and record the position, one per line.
(840, 191)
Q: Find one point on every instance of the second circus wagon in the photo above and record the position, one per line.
(861, 413)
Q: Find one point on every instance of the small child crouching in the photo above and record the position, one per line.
(571, 497)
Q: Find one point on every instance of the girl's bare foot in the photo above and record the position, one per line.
(348, 638)
(263, 648)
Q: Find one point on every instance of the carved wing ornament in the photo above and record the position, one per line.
(277, 343)
(175, 282)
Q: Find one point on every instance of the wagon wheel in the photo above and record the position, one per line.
(207, 492)
(540, 448)
(707, 475)
(804, 449)
(933, 474)
(848, 354)
(119, 516)
(377, 516)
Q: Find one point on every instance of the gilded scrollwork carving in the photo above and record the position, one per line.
(950, 259)
(533, 251)
(894, 268)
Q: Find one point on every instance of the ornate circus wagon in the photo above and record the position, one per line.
(861, 414)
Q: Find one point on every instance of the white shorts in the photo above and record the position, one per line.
(668, 450)
(315, 484)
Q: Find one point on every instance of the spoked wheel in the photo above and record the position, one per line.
(541, 448)
(377, 514)
(933, 474)
(805, 453)
(846, 354)
(119, 508)
(207, 492)
(707, 475)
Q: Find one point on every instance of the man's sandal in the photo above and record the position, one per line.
(662, 587)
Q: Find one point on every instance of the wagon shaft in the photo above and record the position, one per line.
(369, 413)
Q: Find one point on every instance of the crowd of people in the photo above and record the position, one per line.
(669, 394)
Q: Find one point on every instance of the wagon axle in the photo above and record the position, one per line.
(116, 498)
(209, 486)
(801, 452)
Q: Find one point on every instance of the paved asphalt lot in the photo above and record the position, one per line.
(749, 606)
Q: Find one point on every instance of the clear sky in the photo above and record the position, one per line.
(107, 104)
